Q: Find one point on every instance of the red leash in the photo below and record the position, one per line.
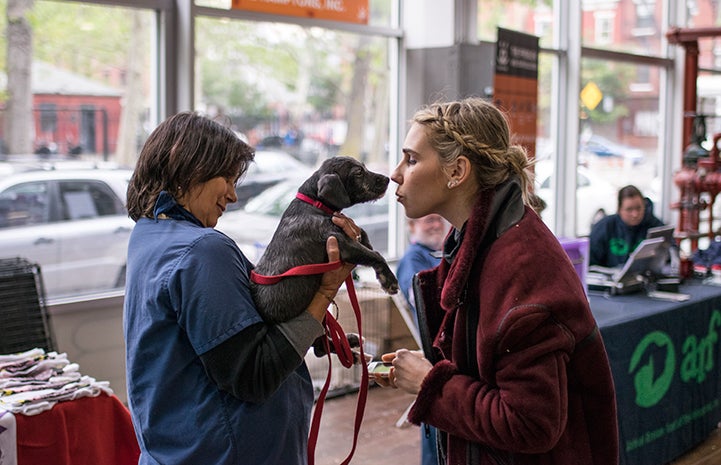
(342, 347)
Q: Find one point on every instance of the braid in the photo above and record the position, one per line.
(476, 129)
(462, 138)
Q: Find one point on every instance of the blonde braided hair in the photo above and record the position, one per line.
(475, 128)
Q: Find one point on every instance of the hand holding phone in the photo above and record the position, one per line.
(380, 368)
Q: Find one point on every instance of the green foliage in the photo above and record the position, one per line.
(614, 80)
(81, 38)
(263, 64)
(241, 101)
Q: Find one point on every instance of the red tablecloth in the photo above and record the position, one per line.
(86, 431)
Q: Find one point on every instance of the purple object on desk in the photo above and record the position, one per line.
(577, 250)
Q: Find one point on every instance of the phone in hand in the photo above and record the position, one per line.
(380, 368)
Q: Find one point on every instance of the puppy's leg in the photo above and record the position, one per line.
(356, 252)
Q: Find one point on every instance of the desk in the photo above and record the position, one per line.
(665, 362)
(86, 431)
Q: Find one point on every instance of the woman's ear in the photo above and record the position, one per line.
(459, 171)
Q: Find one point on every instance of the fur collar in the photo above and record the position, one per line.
(495, 210)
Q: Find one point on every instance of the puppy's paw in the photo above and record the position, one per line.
(388, 282)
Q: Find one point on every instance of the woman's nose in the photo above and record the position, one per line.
(231, 194)
(396, 175)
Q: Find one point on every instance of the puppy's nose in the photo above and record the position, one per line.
(382, 181)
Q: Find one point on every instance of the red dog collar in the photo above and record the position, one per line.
(316, 203)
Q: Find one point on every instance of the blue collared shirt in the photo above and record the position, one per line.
(187, 292)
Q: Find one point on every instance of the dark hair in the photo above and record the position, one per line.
(628, 192)
(183, 151)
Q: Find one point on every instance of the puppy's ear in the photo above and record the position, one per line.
(332, 191)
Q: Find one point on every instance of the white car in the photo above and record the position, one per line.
(595, 197)
(72, 223)
(268, 169)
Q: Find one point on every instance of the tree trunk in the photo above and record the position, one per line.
(18, 113)
(379, 148)
(355, 109)
(127, 149)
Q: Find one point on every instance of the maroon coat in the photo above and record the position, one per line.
(540, 390)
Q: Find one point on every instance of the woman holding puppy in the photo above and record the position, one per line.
(209, 382)
(519, 373)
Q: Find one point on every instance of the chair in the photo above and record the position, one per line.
(23, 313)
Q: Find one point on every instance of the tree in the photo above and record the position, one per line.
(126, 153)
(18, 113)
(355, 106)
(614, 80)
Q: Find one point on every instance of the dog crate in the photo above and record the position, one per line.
(384, 330)
(23, 312)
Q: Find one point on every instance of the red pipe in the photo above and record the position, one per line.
(705, 177)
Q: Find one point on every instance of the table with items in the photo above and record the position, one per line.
(665, 361)
(50, 413)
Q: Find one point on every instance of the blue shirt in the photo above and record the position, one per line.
(417, 258)
(187, 292)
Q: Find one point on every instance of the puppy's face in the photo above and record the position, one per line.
(344, 181)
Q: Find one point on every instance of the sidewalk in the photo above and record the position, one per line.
(380, 442)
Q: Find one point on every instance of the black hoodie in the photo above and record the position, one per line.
(612, 240)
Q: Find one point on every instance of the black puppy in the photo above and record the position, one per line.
(300, 238)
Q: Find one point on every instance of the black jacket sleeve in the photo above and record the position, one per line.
(252, 364)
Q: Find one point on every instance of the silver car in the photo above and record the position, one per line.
(71, 222)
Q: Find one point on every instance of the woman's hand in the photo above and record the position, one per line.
(348, 226)
(330, 282)
(408, 371)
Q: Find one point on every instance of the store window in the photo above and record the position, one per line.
(619, 135)
(85, 56)
(90, 71)
(296, 94)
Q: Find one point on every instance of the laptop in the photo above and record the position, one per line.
(649, 256)
(671, 267)
(665, 231)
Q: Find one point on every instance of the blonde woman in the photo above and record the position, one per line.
(515, 370)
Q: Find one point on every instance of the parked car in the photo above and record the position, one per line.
(252, 227)
(268, 168)
(71, 222)
(595, 197)
(603, 147)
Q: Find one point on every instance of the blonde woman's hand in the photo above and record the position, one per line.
(408, 371)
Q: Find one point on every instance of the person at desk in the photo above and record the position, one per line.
(614, 237)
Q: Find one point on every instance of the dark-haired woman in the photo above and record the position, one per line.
(209, 382)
